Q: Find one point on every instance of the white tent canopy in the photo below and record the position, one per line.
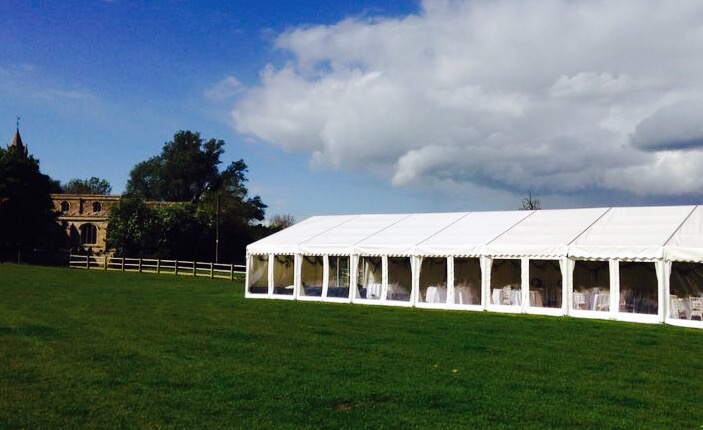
(653, 235)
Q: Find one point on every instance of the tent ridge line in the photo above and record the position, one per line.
(680, 225)
(325, 231)
(510, 228)
(589, 227)
(441, 230)
(383, 229)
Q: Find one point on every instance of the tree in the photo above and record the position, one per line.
(87, 186)
(133, 228)
(186, 168)
(530, 203)
(279, 222)
(213, 203)
(27, 214)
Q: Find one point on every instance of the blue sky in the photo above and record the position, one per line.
(370, 106)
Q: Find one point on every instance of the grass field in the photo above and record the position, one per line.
(107, 349)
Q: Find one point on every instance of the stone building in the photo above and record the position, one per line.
(84, 219)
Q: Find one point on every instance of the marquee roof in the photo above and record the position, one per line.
(632, 233)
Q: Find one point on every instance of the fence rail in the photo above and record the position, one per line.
(148, 265)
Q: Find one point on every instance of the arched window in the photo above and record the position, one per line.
(65, 206)
(89, 234)
(97, 207)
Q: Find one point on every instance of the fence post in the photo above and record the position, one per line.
(194, 264)
(231, 272)
(122, 264)
(158, 266)
(105, 262)
(212, 272)
(175, 267)
(140, 264)
(87, 261)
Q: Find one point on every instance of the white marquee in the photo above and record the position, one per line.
(640, 264)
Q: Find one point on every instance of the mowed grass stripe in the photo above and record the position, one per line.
(107, 349)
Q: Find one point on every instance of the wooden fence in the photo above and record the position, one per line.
(146, 265)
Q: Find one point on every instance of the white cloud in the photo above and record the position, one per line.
(557, 96)
(227, 88)
(65, 94)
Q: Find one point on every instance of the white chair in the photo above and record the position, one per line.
(675, 307)
(496, 297)
(696, 307)
(462, 296)
(580, 301)
(536, 299)
(506, 296)
(601, 302)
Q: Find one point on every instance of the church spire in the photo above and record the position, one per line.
(16, 143)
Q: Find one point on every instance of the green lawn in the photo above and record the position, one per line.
(107, 349)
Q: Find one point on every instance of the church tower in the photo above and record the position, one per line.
(16, 144)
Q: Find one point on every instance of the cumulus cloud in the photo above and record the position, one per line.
(674, 127)
(558, 96)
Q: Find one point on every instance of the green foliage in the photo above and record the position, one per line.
(133, 228)
(107, 349)
(87, 186)
(173, 231)
(186, 168)
(187, 172)
(27, 218)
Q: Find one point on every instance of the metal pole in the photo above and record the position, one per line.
(217, 228)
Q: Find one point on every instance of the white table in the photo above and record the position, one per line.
(373, 291)
(515, 297)
(436, 295)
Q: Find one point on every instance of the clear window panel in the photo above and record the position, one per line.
(312, 275)
(545, 284)
(467, 281)
(370, 278)
(591, 285)
(338, 283)
(506, 279)
(258, 274)
(433, 280)
(400, 278)
(283, 274)
(686, 291)
(638, 288)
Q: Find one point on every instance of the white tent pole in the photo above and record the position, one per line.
(566, 265)
(384, 278)
(614, 267)
(451, 299)
(297, 272)
(525, 282)
(662, 287)
(353, 275)
(270, 274)
(415, 267)
(486, 265)
(326, 275)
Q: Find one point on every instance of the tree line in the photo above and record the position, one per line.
(178, 205)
